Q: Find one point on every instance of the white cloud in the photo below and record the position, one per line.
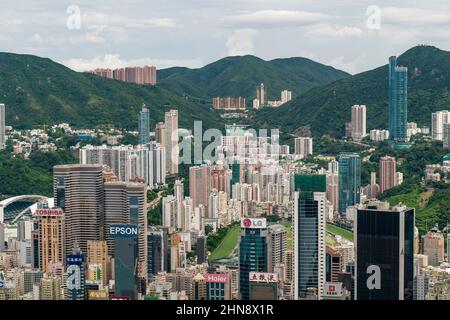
(114, 61)
(240, 42)
(94, 37)
(329, 31)
(414, 16)
(153, 23)
(277, 18)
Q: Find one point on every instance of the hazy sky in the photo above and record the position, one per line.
(350, 35)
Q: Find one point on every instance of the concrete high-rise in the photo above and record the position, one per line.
(278, 243)
(388, 173)
(438, 120)
(171, 141)
(2, 127)
(433, 247)
(359, 129)
(398, 102)
(78, 191)
(200, 185)
(261, 95)
(97, 254)
(349, 180)
(304, 146)
(160, 133)
(50, 237)
(308, 224)
(384, 241)
(144, 126)
(446, 141)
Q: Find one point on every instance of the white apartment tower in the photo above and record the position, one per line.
(2, 127)
(171, 141)
(438, 120)
(359, 130)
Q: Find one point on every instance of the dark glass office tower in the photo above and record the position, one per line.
(384, 240)
(349, 180)
(309, 234)
(157, 246)
(254, 252)
(125, 260)
(398, 102)
(76, 278)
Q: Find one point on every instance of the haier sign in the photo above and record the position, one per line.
(123, 231)
(253, 223)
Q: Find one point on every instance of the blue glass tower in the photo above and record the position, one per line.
(144, 126)
(349, 180)
(254, 254)
(308, 225)
(398, 102)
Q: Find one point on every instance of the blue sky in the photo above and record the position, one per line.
(353, 35)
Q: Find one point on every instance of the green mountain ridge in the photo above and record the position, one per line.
(39, 91)
(240, 75)
(327, 108)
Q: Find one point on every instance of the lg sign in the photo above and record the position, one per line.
(253, 223)
(129, 231)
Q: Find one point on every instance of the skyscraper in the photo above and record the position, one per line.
(2, 127)
(261, 95)
(433, 247)
(438, 120)
(334, 264)
(157, 246)
(78, 191)
(398, 102)
(446, 138)
(144, 126)
(98, 255)
(278, 243)
(308, 224)
(303, 146)
(200, 185)
(50, 234)
(171, 141)
(254, 251)
(384, 240)
(349, 180)
(125, 203)
(76, 277)
(359, 130)
(160, 133)
(388, 173)
(126, 254)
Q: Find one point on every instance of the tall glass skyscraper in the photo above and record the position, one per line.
(398, 101)
(349, 180)
(384, 241)
(309, 234)
(254, 252)
(144, 126)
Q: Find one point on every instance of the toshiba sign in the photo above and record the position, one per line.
(216, 278)
(48, 212)
(253, 223)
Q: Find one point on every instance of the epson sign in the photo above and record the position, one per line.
(123, 231)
